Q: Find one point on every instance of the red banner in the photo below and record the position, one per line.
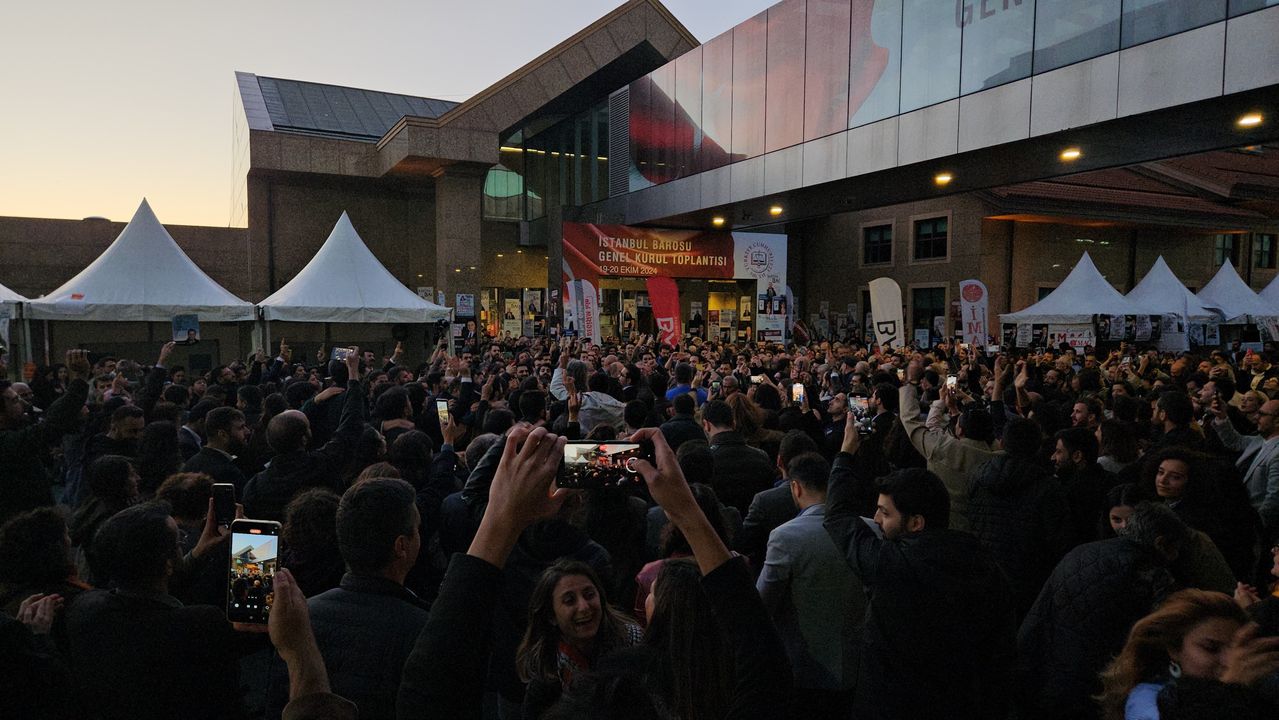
(619, 250)
(664, 297)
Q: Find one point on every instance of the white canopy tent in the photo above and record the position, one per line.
(9, 297)
(142, 276)
(1161, 293)
(345, 283)
(1236, 301)
(1270, 296)
(1083, 294)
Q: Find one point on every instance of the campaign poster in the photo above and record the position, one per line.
(511, 326)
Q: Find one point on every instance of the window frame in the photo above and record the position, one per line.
(910, 307)
(1270, 257)
(891, 224)
(914, 237)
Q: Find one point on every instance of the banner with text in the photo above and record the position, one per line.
(973, 300)
(664, 297)
(886, 308)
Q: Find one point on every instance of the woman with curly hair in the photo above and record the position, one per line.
(570, 627)
(1186, 637)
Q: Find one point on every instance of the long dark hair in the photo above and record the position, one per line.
(537, 656)
(695, 673)
(158, 456)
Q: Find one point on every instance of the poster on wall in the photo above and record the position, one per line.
(1212, 335)
(939, 327)
(1024, 335)
(1077, 336)
(745, 306)
(533, 317)
(465, 305)
(511, 317)
(1143, 328)
(713, 318)
(553, 311)
(630, 315)
(426, 293)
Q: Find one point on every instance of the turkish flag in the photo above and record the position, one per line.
(664, 297)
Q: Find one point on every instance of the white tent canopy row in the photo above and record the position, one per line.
(1161, 293)
(1083, 294)
(1233, 299)
(144, 276)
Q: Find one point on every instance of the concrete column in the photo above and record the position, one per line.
(458, 212)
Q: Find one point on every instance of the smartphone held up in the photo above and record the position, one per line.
(589, 465)
(255, 551)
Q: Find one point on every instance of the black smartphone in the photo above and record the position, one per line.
(224, 503)
(589, 465)
(340, 353)
(255, 551)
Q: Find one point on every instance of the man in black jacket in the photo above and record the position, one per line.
(682, 427)
(938, 637)
(366, 627)
(295, 468)
(228, 435)
(740, 470)
(770, 508)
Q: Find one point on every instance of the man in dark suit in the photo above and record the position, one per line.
(228, 436)
(770, 508)
(740, 469)
(682, 427)
(191, 434)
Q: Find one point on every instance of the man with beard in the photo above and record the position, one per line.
(227, 435)
(1083, 480)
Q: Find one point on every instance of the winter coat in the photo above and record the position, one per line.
(740, 470)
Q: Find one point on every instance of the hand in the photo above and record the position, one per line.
(165, 351)
(1246, 595)
(1217, 409)
(290, 620)
(120, 385)
(452, 431)
(213, 533)
(77, 362)
(521, 493)
(1250, 658)
(574, 405)
(38, 611)
(328, 393)
(665, 481)
(353, 364)
(852, 438)
(398, 352)
(259, 357)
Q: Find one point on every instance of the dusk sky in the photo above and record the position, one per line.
(106, 103)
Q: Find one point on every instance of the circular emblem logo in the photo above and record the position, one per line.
(758, 259)
(973, 293)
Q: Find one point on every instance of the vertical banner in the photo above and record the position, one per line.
(665, 299)
(511, 317)
(973, 300)
(588, 299)
(886, 310)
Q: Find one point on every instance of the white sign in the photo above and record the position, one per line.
(1025, 334)
(886, 308)
(974, 303)
(465, 305)
(1077, 336)
(1143, 328)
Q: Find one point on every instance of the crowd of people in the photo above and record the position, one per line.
(819, 530)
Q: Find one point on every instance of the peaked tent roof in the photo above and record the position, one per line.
(1270, 295)
(344, 282)
(1161, 293)
(1081, 295)
(142, 276)
(1228, 292)
(9, 297)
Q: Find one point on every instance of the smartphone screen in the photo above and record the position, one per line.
(757, 379)
(340, 353)
(858, 405)
(224, 503)
(255, 546)
(590, 465)
(797, 393)
(952, 381)
(715, 385)
(442, 411)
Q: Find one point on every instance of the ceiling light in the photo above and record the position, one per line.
(521, 252)
(419, 274)
(943, 179)
(1071, 154)
(775, 210)
(717, 221)
(499, 254)
(457, 269)
(1250, 120)
(472, 267)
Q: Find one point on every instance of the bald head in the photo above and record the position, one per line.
(288, 431)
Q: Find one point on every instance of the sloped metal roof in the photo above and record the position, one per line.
(341, 112)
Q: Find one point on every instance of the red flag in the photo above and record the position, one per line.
(664, 297)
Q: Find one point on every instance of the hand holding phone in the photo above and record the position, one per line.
(224, 503)
(442, 411)
(251, 577)
(590, 465)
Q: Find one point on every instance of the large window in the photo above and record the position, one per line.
(1225, 248)
(930, 53)
(1067, 31)
(877, 245)
(1263, 250)
(931, 238)
(998, 40)
(926, 304)
(1146, 20)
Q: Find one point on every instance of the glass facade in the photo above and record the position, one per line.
(567, 162)
(805, 69)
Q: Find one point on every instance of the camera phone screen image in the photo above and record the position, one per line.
(254, 558)
(859, 406)
(606, 464)
(442, 411)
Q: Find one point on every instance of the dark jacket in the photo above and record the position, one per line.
(288, 474)
(938, 635)
(444, 675)
(680, 429)
(365, 630)
(1081, 620)
(147, 656)
(26, 483)
(219, 466)
(1019, 512)
(768, 510)
(1085, 490)
(740, 470)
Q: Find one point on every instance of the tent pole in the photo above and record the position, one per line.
(46, 342)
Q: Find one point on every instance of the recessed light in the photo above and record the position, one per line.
(717, 221)
(499, 254)
(419, 274)
(457, 269)
(943, 178)
(521, 252)
(1249, 120)
(472, 267)
(1071, 154)
(775, 210)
